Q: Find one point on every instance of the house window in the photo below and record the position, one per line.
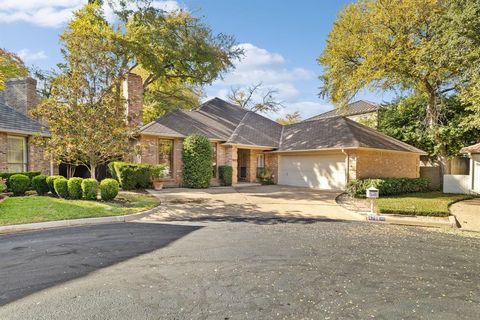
(165, 154)
(260, 164)
(17, 154)
(214, 160)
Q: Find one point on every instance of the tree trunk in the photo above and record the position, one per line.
(432, 120)
(93, 169)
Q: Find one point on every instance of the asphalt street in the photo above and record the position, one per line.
(239, 270)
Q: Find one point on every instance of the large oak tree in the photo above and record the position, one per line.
(427, 47)
(85, 110)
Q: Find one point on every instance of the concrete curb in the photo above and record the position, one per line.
(413, 221)
(76, 222)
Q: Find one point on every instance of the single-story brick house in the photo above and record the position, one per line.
(17, 153)
(320, 153)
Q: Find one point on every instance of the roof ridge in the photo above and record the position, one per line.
(237, 127)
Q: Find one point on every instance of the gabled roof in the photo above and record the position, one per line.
(14, 121)
(226, 122)
(216, 119)
(337, 132)
(255, 129)
(354, 108)
(471, 149)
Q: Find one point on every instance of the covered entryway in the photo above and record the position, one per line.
(324, 172)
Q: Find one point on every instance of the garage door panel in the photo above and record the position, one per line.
(319, 172)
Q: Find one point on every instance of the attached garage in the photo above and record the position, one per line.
(325, 172)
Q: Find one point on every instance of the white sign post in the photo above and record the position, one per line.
(372, 193)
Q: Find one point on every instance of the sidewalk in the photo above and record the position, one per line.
(468, 214)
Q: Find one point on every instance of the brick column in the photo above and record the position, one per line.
(252, 166)
(231, 157)
(133, 93)
(352, 166)
(271, 163)
(177, 161)
(36, 159)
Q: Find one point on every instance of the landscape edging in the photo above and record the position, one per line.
(76, 222)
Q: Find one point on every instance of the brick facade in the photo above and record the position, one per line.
(271, 163)
(37, 160)
(379, 163)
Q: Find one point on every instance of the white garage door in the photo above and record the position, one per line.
(326, 172)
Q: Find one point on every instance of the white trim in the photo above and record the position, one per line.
(247, 146)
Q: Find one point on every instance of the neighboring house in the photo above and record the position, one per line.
(17, 153)
(319, 153)
(361, 111)
(469, 182)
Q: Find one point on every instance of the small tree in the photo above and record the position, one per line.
(256, 98)
(197, 161)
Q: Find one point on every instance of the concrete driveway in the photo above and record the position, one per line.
(259, 203)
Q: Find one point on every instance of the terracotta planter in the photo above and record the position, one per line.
(157, 184)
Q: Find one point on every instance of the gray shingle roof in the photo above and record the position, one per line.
(216, 119)
(354, 108)
(12, 120)
(337, 132)
(226, 122)
(255, 129)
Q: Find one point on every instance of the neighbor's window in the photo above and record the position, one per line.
(17, 154)
(165, 154)
(214, 160)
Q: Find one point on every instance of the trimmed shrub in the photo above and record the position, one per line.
(388, 186)
(75, 188)
(40, 185)
(197, 161)
(61, 187)
(109, 189)
(29, 174)
(19, 184)
(3, 185)
(90, 189)
(225, 173)
(265, 177)
(132, 176)
(50, 181)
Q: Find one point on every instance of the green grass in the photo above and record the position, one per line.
(421, 204)
(17, 210)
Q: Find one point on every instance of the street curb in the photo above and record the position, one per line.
(76, 222)
(412, 221)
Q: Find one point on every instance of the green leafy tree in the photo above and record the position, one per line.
(85, 110)
(403, 45)
(404, 119)
(11, 66)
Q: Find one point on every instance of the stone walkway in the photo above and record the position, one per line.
(467, 214)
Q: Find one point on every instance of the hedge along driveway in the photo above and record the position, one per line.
(30, 209)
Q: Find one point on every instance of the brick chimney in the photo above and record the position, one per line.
(133, 94)
(20, 94)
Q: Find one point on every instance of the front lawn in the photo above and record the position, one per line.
(421, 204)
(17, 210)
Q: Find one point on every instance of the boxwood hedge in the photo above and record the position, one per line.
(388, 186)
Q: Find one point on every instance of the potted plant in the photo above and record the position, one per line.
(159, 172)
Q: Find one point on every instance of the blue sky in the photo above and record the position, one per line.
(281, 39)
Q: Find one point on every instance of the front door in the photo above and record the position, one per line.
(242, 165)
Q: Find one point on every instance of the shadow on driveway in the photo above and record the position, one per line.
(34, 261)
